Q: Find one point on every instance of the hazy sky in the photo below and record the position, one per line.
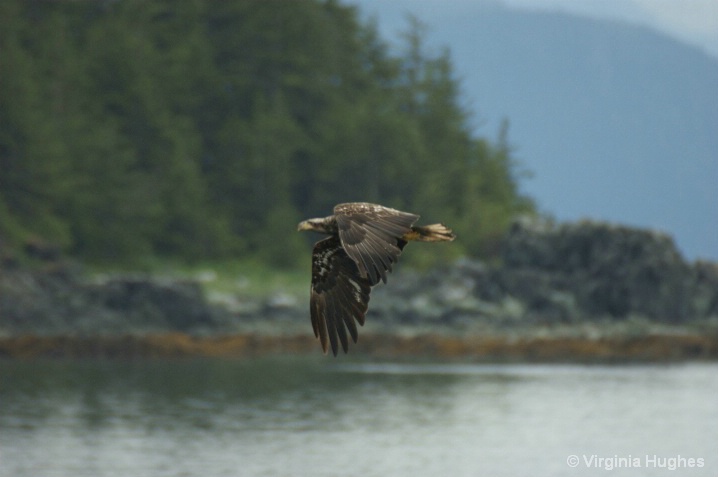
(692, 21)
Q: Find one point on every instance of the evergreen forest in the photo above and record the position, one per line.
(206, 130)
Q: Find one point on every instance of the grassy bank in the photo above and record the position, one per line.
(246, 278)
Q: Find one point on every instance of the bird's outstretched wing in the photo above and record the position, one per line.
(371, 235)
(339, 295)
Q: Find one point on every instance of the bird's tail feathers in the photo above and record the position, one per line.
(430, 233)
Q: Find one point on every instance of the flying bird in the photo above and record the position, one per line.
(365, 240)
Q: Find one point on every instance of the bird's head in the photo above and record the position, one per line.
(315, 225)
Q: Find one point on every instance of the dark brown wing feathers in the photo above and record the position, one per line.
(339, 295)
(370, 235)
(345, 266)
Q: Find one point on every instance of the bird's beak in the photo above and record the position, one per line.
(304, 225)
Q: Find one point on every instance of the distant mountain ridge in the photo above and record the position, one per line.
(617, 122)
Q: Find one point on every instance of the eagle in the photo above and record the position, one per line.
(365, 240)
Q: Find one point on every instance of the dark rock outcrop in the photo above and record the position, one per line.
(569, 273)
(57, 300)
(608, 270)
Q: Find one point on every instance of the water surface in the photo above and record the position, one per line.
(289, 416)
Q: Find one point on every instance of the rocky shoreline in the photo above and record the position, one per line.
(584, 282)
(653, 348)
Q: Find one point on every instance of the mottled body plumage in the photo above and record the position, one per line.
(365, 240)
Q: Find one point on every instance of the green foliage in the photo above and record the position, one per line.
(207, 130)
